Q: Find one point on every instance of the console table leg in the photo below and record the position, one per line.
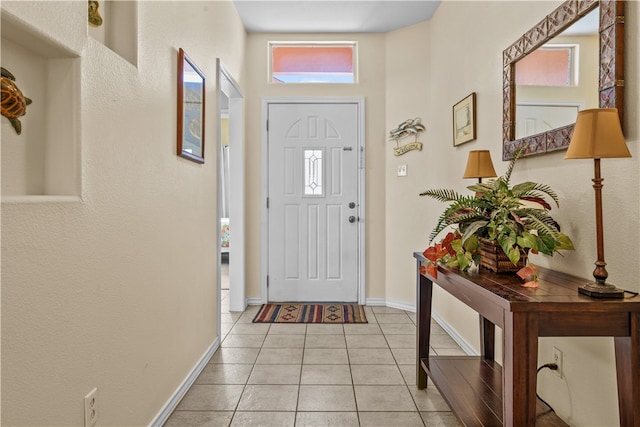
(628, 373)
(423, 326)
(487, 339)
(520, 340)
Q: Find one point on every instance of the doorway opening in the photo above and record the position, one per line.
(231, 198)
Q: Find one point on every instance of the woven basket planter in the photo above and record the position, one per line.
(493, 258)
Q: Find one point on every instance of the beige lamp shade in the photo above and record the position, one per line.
(479, 165)
(597, 135)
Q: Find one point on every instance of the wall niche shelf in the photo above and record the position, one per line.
(44, 159)
(119, 29)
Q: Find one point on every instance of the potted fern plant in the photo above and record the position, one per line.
(496, 226)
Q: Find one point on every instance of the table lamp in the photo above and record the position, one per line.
(597, 135)
(479, 165)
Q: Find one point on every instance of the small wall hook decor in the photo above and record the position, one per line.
(407, 128)
(94, 16)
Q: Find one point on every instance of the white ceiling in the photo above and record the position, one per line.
(332, 16)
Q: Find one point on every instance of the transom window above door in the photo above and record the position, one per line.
(550, 65)
(312, 62)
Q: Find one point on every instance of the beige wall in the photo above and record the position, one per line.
(408, 68)
(116, 289)
(466, 57)
(371, 85)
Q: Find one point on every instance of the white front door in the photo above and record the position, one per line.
(313, 202)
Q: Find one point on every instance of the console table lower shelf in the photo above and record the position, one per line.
(472, 386)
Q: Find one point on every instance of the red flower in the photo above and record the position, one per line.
(530, 274)
(526, 272)
(435, 252)
(432, 270)
(446, 243)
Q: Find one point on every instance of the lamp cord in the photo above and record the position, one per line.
(553, 367)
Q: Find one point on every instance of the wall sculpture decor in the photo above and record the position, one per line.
(407, 128)
(190, 109)
(94, 16)
(610, 27)
(14, 103)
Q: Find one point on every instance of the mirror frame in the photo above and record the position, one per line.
(611, 74)
(183, 125)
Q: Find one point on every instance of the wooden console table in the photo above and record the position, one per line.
(478, 389)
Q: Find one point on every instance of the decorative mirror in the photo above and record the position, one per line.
(190, 109)
(610, 82)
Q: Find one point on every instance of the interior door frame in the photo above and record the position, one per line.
(227, 86)
(360, 202)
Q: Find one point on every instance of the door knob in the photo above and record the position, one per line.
(352, 219)
(352, 205)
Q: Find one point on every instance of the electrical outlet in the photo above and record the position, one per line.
(402, 170)
(91, 408)
(557, 359)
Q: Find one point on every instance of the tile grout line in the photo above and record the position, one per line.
(353, 385)
(402, 345)
(244, 387)
(304, 346)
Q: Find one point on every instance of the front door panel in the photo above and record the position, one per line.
(313, 229)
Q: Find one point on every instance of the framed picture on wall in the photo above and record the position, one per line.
(464, 120)
(190, 109)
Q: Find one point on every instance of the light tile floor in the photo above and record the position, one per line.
(316, 375)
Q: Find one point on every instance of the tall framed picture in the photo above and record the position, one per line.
(464, 120)
(190, 109)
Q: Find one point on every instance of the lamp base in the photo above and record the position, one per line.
(596, 290)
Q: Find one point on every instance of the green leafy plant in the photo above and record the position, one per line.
(516, 216)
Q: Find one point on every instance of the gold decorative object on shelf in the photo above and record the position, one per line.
(407, 128)
(14, 103)
(94, 16)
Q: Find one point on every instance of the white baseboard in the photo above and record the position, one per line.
(376, 302)
(253, 301)
(454, 335)
(401, 305)
(177, 396)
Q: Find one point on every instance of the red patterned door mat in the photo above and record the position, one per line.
(310, 313)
